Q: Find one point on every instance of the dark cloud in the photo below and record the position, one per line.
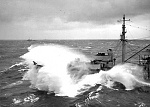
(96, 11)
(106, 11)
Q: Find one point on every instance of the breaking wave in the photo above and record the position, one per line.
(130, 75)
(61, 69)
(64, 71)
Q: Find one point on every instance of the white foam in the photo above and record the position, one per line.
(12, 84)
(129, 75)
(61, 71)
(66, 72)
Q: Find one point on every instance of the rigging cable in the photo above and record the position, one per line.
(137, 52)
(131, 48)
(142, 29)
(138, 27)
(144, 37)
(115, 50)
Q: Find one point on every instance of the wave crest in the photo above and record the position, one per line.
(66, 72)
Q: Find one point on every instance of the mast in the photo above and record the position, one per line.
(123, 39)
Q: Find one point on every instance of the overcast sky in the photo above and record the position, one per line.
(73, 19)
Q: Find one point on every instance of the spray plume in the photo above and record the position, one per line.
(65, 72)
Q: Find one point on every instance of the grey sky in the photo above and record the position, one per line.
(71, 19)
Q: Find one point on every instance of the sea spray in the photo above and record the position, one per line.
(62, 69)
(130, 75)
(65, 72)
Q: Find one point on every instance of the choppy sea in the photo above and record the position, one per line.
(15, 92)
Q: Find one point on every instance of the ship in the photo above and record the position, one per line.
(105, 61)
(30, 40)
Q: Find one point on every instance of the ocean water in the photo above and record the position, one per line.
(23, 84)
